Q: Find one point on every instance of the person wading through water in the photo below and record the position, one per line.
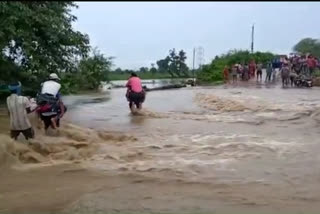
(226, 74)
(246, 72)
(259, 72)
(285, 74)
(252, 68)
(269, 73)
(135, 93)
(51, 108)
(18, 108)
(234, 73)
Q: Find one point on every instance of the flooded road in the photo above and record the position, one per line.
(243, 136)
(243, 147)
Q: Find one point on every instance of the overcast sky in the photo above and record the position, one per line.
(140, 33)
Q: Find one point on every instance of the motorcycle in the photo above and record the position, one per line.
(301, 82)
(48, 109)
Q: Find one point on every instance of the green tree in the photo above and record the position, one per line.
(182, 66)
(37, 38)
(118, 70)
(153, 70)
(308, 45)
(144, 70)
(174, 62)
(163, 65)
(94, 69)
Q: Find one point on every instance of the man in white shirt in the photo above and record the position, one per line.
(51, 86)
(52, 108)
(19, 107)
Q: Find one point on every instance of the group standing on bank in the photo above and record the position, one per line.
(295, 69)
(242, 72)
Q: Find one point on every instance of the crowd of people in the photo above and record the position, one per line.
(302, 66)
(243, 72)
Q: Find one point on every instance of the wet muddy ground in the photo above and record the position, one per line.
(237, 148)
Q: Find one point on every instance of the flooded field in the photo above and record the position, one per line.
(237, 148)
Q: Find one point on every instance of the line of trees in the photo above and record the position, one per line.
(174, 65)
(37, 38)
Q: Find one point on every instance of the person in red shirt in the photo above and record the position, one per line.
(311, 63)
(252, 69)
(226, 74)
(135, 93)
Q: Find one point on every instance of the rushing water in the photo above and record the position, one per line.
(249, 126)
(260, 141)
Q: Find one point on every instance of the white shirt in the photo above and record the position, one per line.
(50, 87)
(18, 115)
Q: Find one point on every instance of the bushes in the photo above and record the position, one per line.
(209, 73)
(317, 73)
(213, 72)
(86, 75)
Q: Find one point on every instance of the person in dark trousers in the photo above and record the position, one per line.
(135, 93)
(234, 73)
(18, 108)
(259, 72)
(269, 73)
(246, 72)
(226, 74)
(51, 108)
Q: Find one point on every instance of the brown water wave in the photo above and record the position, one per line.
(236, 103)
(191, 157)
(243, 146)
(72, 144)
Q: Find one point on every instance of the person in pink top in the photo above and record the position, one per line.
(135, 93)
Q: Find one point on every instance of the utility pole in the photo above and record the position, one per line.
(194, 55)
(252, 39)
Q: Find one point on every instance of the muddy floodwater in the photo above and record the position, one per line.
(235, 148)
